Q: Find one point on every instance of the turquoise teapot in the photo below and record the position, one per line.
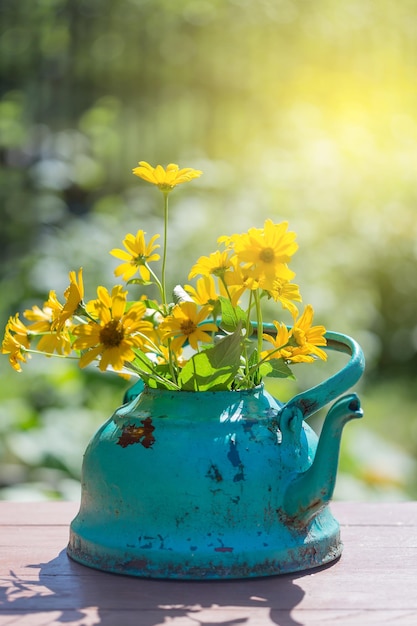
(215, 485)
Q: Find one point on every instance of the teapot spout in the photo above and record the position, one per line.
(311, 490)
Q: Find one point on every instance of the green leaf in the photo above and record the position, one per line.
(143, 361)
(199, 375)
(139, 281)
(253, 357)
(231, 316)
(265, 369)
(227, 351)
(151, 304)
(213, 369)
(279, 369)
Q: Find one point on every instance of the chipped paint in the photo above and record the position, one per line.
(223, 549)
(214, 474)
(138, 434)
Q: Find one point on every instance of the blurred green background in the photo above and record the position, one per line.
(295, 110)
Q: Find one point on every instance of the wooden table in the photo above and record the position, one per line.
(375, 581)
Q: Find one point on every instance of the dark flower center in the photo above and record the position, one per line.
(111, 335)
(188, 327)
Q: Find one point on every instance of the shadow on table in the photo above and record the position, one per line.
(72, 593)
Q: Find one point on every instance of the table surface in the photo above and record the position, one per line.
(374, 582)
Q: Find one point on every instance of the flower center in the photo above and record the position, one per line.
(166, 187)
(267, 255)
(218, 271)
(111, 335)
(188, 327)
(138, 260)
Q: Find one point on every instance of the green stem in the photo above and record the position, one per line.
(171, 363)
(50, 354)
(153, 374)
(157, 282)
(259, 320)
(164, 255)
(225, 287)
(267, 358)
(163, 281)
(248, 319)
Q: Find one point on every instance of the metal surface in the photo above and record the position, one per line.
(213, 485)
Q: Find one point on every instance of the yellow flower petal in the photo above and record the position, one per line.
(165, 179)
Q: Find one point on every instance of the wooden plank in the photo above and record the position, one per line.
(177, 618)
(37, 513)
(373, 582)
(375, 513)
(336, 587)
(92, 616)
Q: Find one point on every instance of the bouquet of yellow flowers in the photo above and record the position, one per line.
(202, 340)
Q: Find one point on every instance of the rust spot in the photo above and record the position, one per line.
(223, 549)
(214, 473)
(308, 406)
(302, 518)
(138, 434)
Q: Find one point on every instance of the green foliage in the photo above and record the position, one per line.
(155, 377)
(232, 317)
(277, 368)
(214, 368)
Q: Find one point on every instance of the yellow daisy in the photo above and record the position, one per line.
(44, 321)
(19, 331)
(286, 293)
(308, 338)
(186, 324)
(136, 256)
(165, 179)
(279, 342)
(74, 295)
(266, 251)
(205, 292)
(49, 341)
(217, 264)
(299, 344)
(43, 318)
(113, 337)
(241, 278)
(14, 349)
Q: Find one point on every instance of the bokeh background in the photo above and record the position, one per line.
(295, 110)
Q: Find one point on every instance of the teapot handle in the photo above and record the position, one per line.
(312, 400)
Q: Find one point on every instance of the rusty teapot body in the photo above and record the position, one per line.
(215, 485)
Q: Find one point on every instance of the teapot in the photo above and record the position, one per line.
(215, 484)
